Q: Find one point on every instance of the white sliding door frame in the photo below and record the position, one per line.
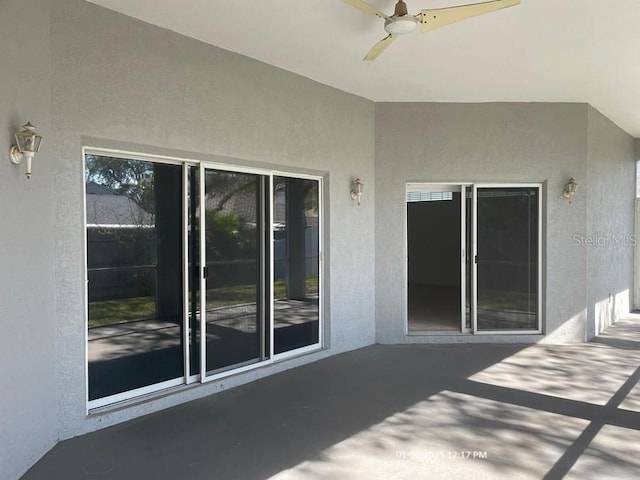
(231, 370)
(463, 259)
(440, 187)
(267, 275)
(98, 403)
(320, 343)
(474, 308)
(265, 250)
(202, 276)
(465, 187)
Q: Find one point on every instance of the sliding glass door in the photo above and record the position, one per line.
(507, 258)
(234, 275)
(296, 268)
(473, 258)
(135, 329)
(261, 267)
(195, 271)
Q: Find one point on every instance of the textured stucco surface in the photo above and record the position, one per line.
(106, 80)
(125, 84)
(426, 142)
(28, 424)
(109, 81)
(610, 243)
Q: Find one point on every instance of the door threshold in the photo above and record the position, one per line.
(422, 333)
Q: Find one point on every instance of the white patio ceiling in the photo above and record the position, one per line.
(540, 51)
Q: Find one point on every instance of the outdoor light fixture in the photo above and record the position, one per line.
(27, 144)
(570, 189)
(356, 190)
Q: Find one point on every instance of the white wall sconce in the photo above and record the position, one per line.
(356, 190)
(27, 145)
(570, 189)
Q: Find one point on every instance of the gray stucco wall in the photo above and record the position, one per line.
(418, 142)
(610, 241)
(122, 83)
(27, 343)
(107, 80)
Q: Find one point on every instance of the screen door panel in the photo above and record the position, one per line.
(507, 258)
(233, 251)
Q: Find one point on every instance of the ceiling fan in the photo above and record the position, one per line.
(401, 23)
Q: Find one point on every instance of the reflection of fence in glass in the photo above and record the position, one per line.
(121, 263)
(121, 270)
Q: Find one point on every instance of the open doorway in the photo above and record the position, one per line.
(434, 247)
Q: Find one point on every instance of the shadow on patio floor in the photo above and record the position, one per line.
(414, 412)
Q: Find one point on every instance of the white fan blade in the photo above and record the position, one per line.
(439, 17)
(378, 48)
(365, 7)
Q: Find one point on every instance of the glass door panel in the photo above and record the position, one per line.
(233, 244)
(296, 271)
(182, 279)
(507, 256)
(135, 289)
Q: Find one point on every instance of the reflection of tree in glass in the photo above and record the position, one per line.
(121, 205)
(131, 178)
(121, 239)
(230, 214)
(221, 187)
(310, 192)
(226, 235)
(311, 196)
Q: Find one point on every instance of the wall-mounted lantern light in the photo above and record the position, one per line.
(27, 144)
(570, 189)
(356, 190)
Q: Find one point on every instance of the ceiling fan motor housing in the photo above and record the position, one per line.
(401, 9)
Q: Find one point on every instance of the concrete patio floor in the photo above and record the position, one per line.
(394, 412)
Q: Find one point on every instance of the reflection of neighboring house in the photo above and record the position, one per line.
(107, 209)
(125, 262)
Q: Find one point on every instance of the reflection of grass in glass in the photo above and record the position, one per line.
(312, 285)
(111, 312)
(506, 300)
(229, 296)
